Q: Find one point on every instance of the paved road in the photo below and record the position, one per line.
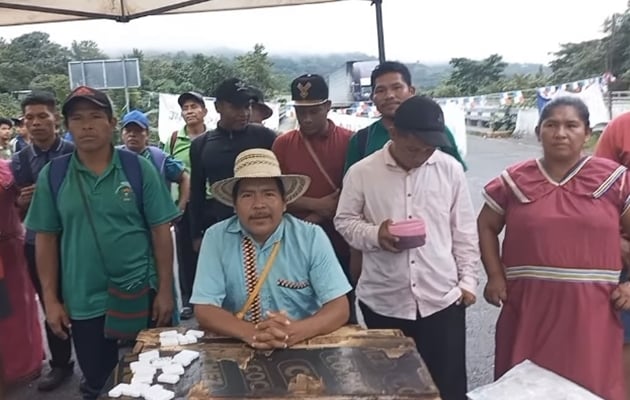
(486, 158)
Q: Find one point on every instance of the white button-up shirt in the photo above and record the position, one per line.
(423, 280)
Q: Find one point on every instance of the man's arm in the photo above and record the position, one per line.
(608, 145)
(464, 234)
(349, 220)
(47, 262)
(332, 316)
(209, 292)
(217, 320)
(43, 218)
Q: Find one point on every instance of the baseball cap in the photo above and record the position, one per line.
(17, 121)
(136, 117)
(194, 96)
(309, 90)
(94, 96)
(423, 117)
(234, 91)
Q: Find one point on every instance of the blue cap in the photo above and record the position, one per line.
(136, 117)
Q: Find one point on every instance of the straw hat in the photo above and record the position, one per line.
(259, 163)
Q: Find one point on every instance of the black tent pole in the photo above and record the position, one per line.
(378, 5)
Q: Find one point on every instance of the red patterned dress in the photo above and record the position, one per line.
(562, 261)
(21, 347)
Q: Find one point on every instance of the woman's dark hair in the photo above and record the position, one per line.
(389, 67)
(566, 101)
(40, 98)
(237, 185)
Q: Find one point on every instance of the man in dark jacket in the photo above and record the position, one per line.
(212, 155)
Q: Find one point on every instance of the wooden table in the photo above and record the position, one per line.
(350, 363)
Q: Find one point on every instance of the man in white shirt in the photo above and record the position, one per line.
(422, 291)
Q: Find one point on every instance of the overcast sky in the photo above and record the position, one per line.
(415, 30)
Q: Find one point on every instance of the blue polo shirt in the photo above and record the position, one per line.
(305, 275)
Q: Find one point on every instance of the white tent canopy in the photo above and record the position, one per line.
(38, 11)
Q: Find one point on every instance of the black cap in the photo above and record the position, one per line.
(424, 117)
(259, 102)
(92, 95)
(17, 121)
(309, 90)
(194, 96)
(234, 91)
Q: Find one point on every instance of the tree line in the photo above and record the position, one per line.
(33, 61)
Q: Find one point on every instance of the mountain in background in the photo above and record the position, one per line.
(425, 76)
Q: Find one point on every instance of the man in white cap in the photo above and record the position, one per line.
(264, 276)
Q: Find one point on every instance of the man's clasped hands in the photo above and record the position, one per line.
(277, 331)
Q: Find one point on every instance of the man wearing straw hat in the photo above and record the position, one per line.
(264, 276)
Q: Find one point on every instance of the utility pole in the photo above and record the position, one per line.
(378, 5)
(609, 62)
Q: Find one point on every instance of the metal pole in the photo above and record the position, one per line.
(611, 49)
(378, 5)
(124, 65)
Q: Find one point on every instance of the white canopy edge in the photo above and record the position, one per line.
(40, 11)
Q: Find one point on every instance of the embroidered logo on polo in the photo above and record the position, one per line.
(285, 283)
(124, 191)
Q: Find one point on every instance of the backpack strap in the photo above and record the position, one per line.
(158, 157)
(56, 174)
(172, 142)
(131, 165)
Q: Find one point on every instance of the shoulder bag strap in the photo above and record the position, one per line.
(319, 163)
(261, 280)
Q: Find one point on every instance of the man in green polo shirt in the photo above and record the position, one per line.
(391, 85)
(107, 240)
(194, 112)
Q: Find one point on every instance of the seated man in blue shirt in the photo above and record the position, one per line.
(302, 286)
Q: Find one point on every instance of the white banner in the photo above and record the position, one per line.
(170, 116)
(454, 119)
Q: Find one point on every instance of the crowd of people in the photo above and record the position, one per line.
(279, 236)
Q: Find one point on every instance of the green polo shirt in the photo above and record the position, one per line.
(181, 152)
(378, 136)
(123, 235)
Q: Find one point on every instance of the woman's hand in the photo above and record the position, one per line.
(621, 296)
(495, 292)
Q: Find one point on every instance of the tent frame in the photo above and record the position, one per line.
(378, 5)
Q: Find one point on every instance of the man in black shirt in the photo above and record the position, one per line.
(212, 155)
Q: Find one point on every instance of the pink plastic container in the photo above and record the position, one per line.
(411, 233)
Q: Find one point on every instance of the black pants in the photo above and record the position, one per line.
(441, 341)
(344, 260)
(60, 349)
(186, 257)
(96, 354)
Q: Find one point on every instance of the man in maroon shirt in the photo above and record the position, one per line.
(317, 149)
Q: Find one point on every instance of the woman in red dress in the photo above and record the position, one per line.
(21, 347)
(557, 277)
